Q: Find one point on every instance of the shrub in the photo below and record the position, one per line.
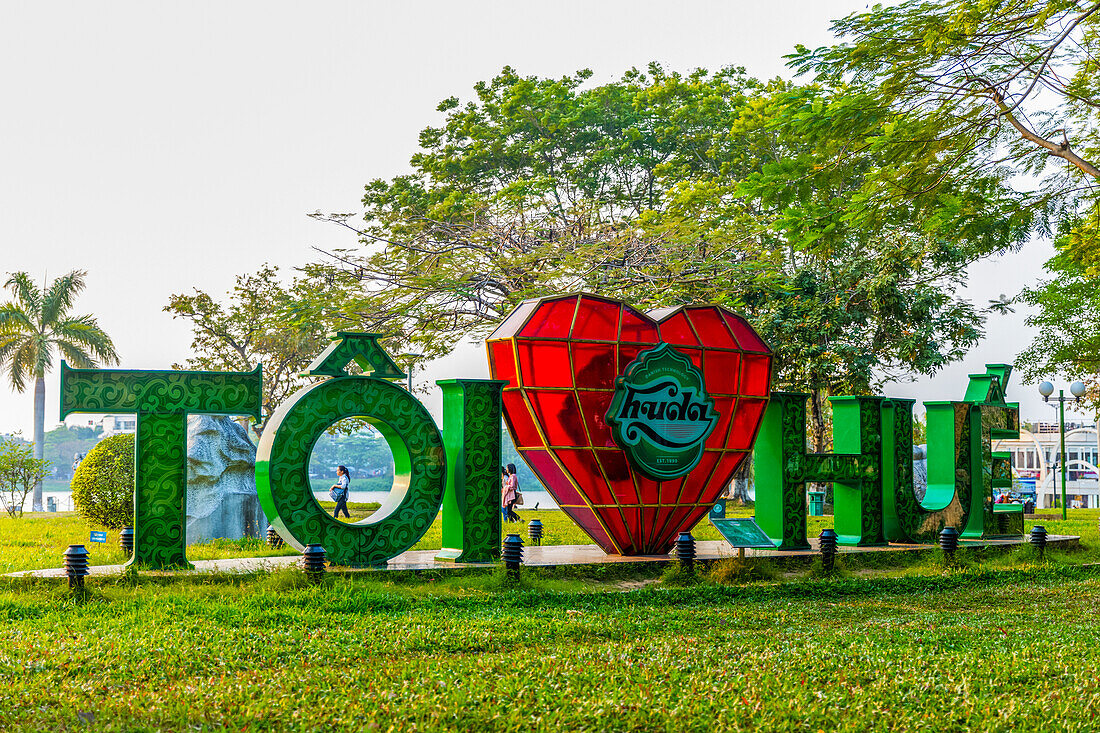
(103, 483)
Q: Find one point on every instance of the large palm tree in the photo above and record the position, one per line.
(35, 325)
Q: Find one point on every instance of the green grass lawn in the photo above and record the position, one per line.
(37, 541)
(958, 650)
(1000, 642)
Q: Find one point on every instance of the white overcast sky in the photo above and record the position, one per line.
(164, 147)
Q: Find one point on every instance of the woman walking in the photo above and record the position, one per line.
(510, 493)
(339, 492)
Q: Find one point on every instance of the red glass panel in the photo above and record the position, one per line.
(670, 491)
(678, 522)
(559, 417)
(660, 520)
(594, 365)
(627, 354)
(746, 336)
(648, 489)
(544, 363)
(699, 479)
(634, 532)
(594, 409)
(745, 422)
(582, 466)
(724, 406)
(553, 319)
(696, 355)
(710, 327)
(755, 374)
(502, 361)
(617, 471)
(675, 330)
(551, 474)
(637, 327)
(728, 464)
(518, 417)
(721, 370)
(597, 319)
(587, 521)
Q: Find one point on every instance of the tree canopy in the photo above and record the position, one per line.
(1009, 88)
(662, 189)
(253, 326)
(36, 326)
(1068, 320)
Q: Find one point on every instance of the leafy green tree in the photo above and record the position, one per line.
(253, 326)
(1068, 318)
(103, 483)
(20, 472)
(668, 189)
(63, 443)
(34, 326)
(973, 88)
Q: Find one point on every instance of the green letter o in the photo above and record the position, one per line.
(282, 470)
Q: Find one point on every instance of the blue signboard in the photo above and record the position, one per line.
(99, 536)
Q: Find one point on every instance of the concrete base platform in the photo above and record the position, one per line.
(558, 555)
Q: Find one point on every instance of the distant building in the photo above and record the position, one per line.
(1036, 454)
(108, 424)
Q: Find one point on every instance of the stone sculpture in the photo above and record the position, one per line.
(221, 481)
(920, 471)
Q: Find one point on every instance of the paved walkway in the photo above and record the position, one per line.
(550, 556)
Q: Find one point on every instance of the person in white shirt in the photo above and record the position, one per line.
(339, 491)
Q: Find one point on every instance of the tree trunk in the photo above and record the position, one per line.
(739, 489)
(39, 434)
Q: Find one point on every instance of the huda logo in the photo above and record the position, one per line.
(661, 414)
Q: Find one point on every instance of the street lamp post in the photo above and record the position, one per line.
(1077, 389)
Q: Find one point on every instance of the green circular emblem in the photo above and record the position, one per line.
(282, 470)
(661, 414)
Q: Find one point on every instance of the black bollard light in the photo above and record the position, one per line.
(513, 554)
(76, 565)
(1039, 539)
(126, 540)
(273, 537)
(685, 550)
(827, 544)
(534, 531)
(313, 562)
(949, 542)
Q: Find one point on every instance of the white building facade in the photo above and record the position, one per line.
(110, 424)
(1036, 456)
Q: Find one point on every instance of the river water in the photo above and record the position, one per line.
(64, 499)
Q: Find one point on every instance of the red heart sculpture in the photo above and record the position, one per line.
(561, 356)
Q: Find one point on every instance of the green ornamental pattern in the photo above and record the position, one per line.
(363, 349)
(161, 401)
(872, 470)
(472, 435)
(282, 470)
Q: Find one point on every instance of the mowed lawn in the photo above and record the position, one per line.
(958, 651)
(37, 541)
(1002, 642)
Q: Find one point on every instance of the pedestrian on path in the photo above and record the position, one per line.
(510, 493)
(339, 492)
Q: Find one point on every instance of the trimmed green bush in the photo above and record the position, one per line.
(103, 483)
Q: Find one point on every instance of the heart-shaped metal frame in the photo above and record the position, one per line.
(560, 357)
